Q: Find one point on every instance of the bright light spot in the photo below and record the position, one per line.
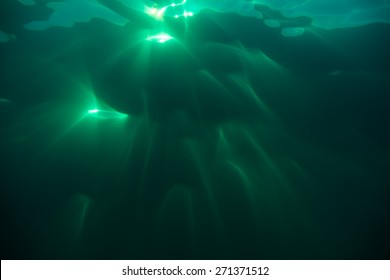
(161, 12)
(107, 114)
(188, 14)
(156, 13)
(185, 14)
(151, 11)
(178, 4)
(161, 38)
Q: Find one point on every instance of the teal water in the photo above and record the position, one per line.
(195, 129)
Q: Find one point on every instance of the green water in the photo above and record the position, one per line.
(233, 132)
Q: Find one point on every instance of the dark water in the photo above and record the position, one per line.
(228, 141)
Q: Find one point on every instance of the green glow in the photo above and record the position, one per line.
(185, 14)
(179, 4)
(160, 38)
(106, 114)
(158, 13)
(93, 111)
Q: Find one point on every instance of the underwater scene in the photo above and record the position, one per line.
(184, 129)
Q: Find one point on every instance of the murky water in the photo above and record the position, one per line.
(195, 129)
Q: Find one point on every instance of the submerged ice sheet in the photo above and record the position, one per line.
(27, 2)
(69, 12)
(329, 14)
